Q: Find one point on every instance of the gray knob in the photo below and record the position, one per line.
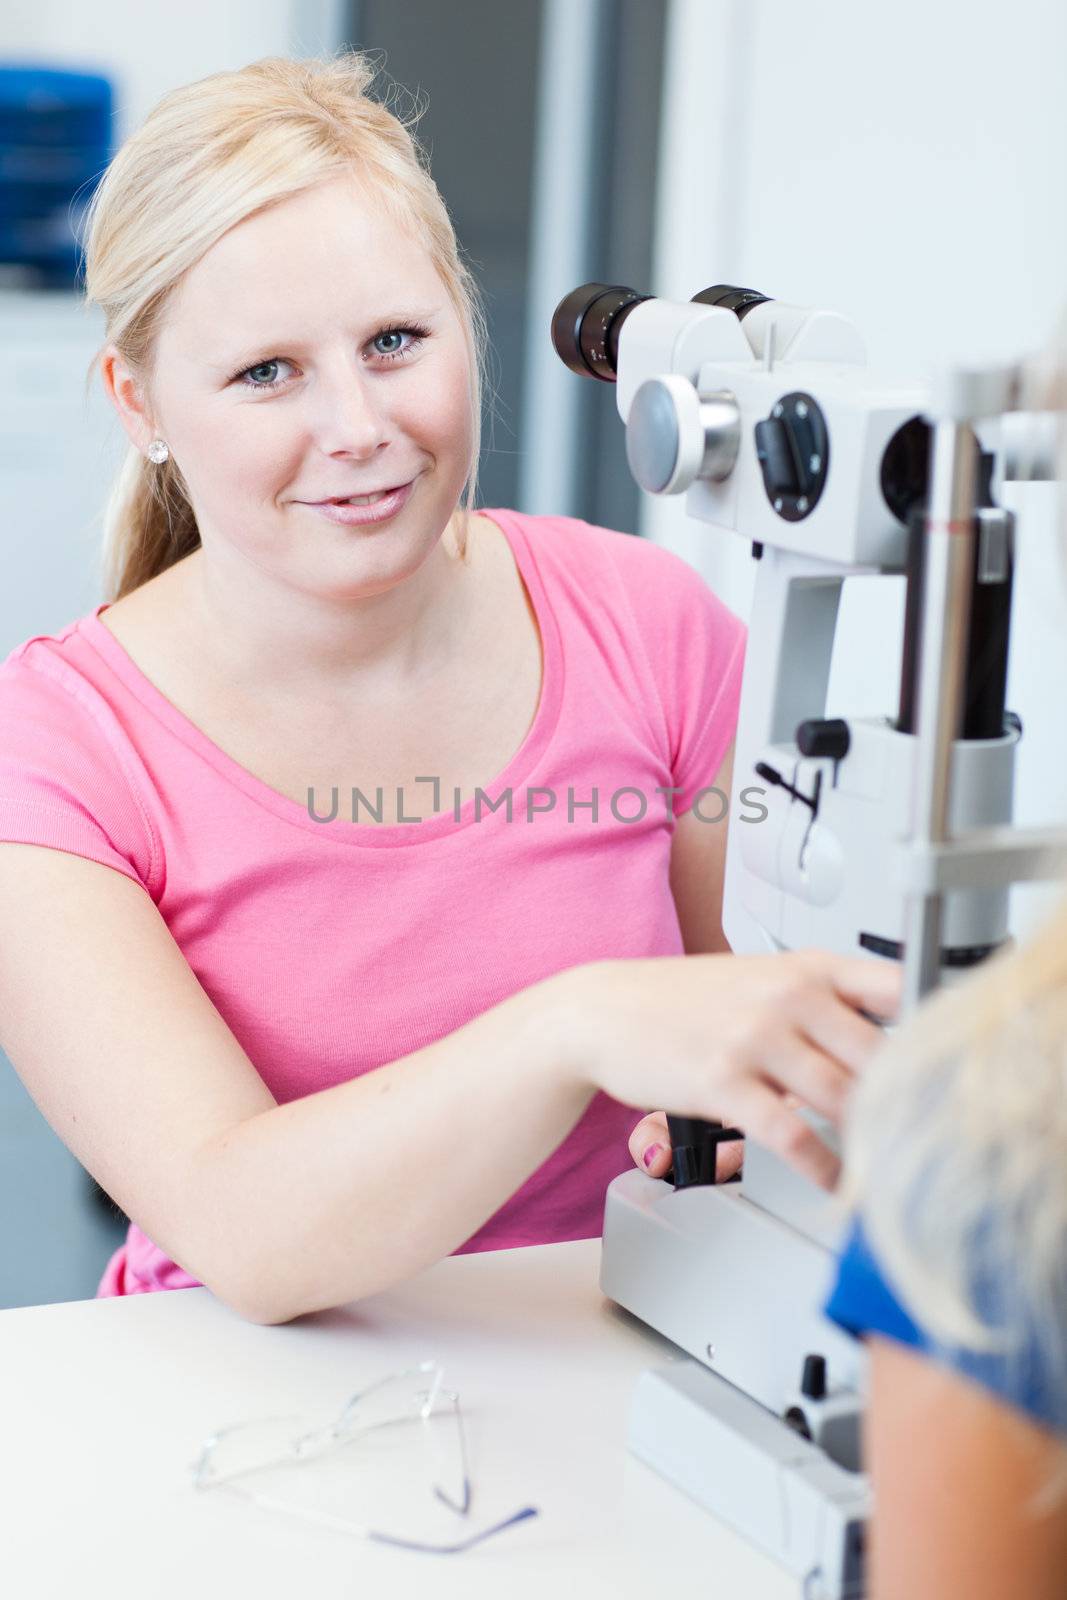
(674, 434)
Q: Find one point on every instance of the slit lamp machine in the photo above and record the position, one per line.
(886, 835)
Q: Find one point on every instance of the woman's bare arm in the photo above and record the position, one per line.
(958, 1477)
(280, 1210)
(287, 1209)
(698, 868)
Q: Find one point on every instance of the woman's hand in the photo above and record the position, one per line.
(737, 1039)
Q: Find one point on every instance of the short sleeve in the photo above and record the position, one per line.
(1026, 1374)
(695, 646)
(862, 1301)
(65, 778)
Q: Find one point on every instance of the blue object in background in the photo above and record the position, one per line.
(55, 142)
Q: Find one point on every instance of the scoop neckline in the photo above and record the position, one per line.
(369, 835)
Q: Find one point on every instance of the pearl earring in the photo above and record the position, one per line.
(158, 451)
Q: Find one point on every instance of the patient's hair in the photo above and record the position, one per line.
(956, 1144)
(208, 156)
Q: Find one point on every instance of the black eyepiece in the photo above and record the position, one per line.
(586, 326)
(587, 322)
(731, 298)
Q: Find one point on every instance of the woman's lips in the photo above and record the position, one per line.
(348, 516)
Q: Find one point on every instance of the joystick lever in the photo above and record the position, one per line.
(695, 1145)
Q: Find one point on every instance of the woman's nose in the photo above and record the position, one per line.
(350, 417)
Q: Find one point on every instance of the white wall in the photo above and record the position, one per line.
(902, 164)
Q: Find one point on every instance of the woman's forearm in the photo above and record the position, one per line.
(339, 1194)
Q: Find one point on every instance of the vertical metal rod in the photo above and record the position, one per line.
(944, 628)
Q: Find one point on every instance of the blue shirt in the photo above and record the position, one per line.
(1031, 1374)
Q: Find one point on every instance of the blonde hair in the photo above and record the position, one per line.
(208, 156)
(957, 1140)
(956, 1158)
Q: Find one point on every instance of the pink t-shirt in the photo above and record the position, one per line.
(331, 948)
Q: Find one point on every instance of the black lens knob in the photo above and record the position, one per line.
(731, 298)
(905, 475)
(586, 326)
(793, 450)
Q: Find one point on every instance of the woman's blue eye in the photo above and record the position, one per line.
(261, 366)
(416, 335)
(258, 377)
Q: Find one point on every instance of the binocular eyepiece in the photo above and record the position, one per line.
(587, 322)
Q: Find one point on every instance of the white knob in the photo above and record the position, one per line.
(674, 434)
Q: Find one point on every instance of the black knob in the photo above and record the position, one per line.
(793, 450)
(813, 1379)
(795, 1419)
(824, 736)
(776, 452)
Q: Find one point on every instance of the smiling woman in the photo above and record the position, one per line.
(342, 400)
(227, 325)
(264, 1018)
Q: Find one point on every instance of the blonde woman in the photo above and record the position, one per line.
(345, 914)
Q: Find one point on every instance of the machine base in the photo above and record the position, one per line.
(740, 1290)
(729, 1282)
(777, 1489)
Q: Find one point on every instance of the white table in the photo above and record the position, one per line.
(105, 1404)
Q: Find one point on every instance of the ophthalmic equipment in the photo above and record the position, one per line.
(886, 835)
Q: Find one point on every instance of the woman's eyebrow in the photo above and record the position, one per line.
(254, 352)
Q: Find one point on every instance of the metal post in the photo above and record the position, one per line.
(949, 561)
